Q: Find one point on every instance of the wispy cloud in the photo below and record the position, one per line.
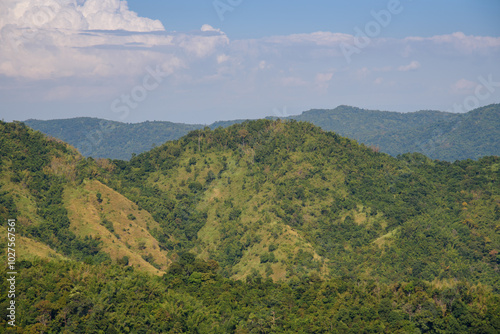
(464, 86)
(410, 67)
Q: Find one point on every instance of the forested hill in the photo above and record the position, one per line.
(256, 190)
(99, 138)
(264, 226)
(439, 135)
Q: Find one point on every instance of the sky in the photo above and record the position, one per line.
(201, 61)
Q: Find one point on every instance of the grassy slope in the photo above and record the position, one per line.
(84, 211)
(130, 238)
(254, 224)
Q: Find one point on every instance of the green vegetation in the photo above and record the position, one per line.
(193, 298)
(275, 227)
(36, 163)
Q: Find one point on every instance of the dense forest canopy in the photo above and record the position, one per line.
(267, 226)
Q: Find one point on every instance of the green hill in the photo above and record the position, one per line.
(319, 192)
(264, 226)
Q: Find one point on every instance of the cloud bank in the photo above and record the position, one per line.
(74, 15)
(62, 50)
(53, 39)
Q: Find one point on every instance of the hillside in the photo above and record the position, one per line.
(281, 199)
(287, 197)
(62, 213)
(363, 124)
(264, 226)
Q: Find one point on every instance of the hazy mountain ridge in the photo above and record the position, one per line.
(439, 135)
(101, 138)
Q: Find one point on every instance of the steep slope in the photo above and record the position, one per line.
(61, 212)
(97, 211)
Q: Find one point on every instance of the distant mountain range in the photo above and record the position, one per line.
(439, 135)
(99, 138)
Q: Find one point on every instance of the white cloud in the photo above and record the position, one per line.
(320, 38)
(72, 15)
(322, 80)
(222, 58)
(459, 41)
(208, 27)
(202, 45)
(410, 67)
(51, 39)
(463, 86)
(324, 77)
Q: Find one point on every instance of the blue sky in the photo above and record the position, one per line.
(260, 18)
(186, 61)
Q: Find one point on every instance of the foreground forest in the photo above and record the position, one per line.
(261, 227)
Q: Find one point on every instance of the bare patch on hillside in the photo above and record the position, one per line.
(98, 211)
